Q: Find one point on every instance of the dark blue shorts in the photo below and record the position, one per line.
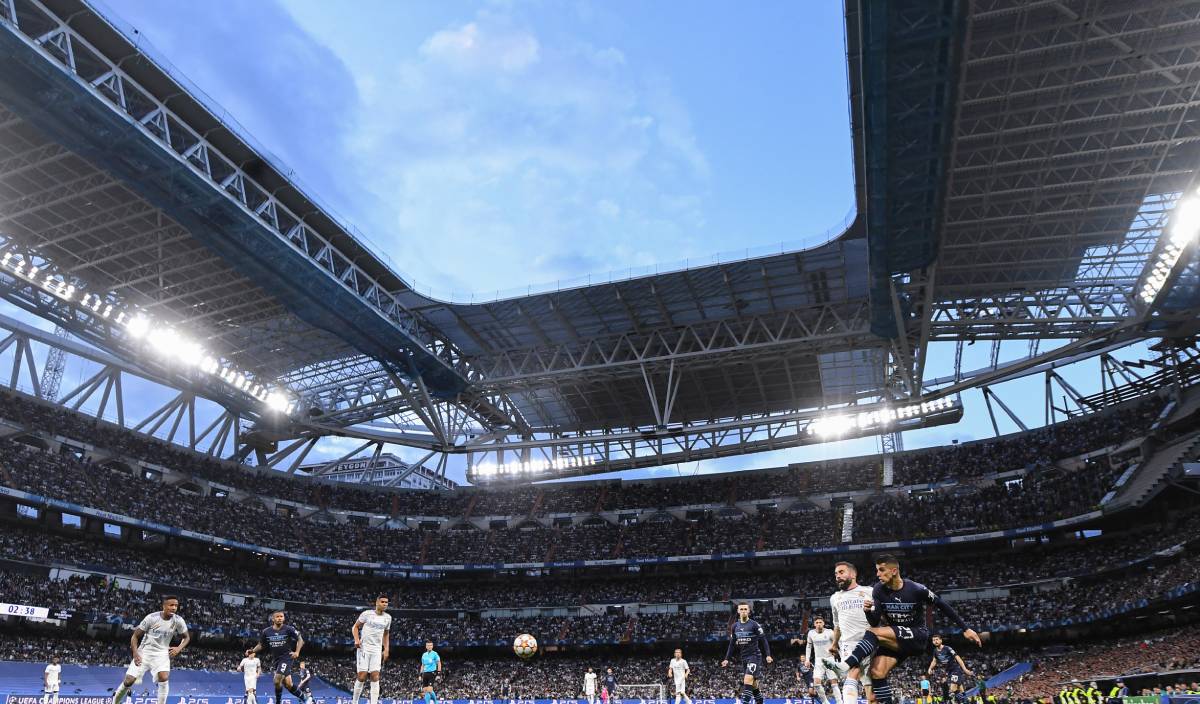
(912, 641)
(752, 667)
(284, 666)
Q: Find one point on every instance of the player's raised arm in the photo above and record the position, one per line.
(950, 613)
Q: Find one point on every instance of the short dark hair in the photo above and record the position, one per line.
(169, 597)
(847, 564)
(383, 596)
(742, 603)
(818, 617)
(887, 558)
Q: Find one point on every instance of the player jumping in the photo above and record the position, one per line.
(956, 670)
(677, 670)
(431, 665)
(152, 651)
(849, 626)
(902, 602)
(819, 643)
(748, 639)
(283, 642)
(372, 635)
(251, 668)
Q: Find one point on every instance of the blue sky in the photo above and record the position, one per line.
(483, 147)
(486, 146)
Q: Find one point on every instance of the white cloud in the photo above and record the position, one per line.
(467, 48)
(503, 159)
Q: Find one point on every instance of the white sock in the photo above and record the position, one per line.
(357, 691)
(821, 694)
(850, 691)
(837, 692)
(250, 698)
(374, 692)
(163, 687)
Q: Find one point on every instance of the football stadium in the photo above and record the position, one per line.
(948, 452)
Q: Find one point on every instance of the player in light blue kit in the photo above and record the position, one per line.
(431, 665)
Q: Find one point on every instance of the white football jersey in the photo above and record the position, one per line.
(52, 673)
(251, 666)
(373, 627)
(846, 608)
(589, 683)
(160, 633)
(678, 668)
(818, 643)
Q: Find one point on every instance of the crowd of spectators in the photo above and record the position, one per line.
(1163, 652)
(1043, 495)
(1066, 558)
(1031, 449)
(1035, 447)
(103, 600)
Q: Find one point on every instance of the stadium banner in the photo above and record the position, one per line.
(492, 566)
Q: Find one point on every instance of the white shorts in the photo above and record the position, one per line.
(847, 648)
(680, 686)
(51, 688)
(153, 663)
(367, 661)
(250, 682)
(820, 674)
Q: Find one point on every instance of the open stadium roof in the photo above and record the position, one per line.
(1015, 165)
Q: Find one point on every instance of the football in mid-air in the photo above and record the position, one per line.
(525, 645)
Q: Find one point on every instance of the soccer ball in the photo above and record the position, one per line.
(525, 645)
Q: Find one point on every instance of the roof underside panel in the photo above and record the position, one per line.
(94, 226)
(1078, 122)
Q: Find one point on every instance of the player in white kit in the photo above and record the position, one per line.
(51, 679)
(678, 670)
(250, 667)
(820, 641)
(372, 632)
(589, 686)
(151, 647)
(849, 625)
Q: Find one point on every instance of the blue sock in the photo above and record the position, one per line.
(747, 693)
(427, 696)
(758, 697)
(883, 690)
(863, 650)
